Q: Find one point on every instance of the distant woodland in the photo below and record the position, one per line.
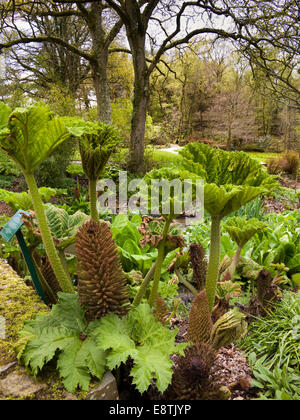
(162, 71)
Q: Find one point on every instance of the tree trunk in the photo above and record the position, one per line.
(101, 42)
(138, 124)
(229, 132)
(102, 88)
(136, 35)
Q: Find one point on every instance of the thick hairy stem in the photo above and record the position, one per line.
(187, 284)
(144, 286)
(64, 262)
(54, 259)
(159, 262)
(93, 199)
(214, 261)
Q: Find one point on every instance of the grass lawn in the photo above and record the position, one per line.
(164, 158)
(170, 159)
(262, 156)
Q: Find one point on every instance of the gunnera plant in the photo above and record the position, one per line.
(241, 230)
(232, 179)
(200, 322)
(29, 136)
(97, 141)
(102, 284)
(170, 206)
(228, 328)
(160, 312)
(191, 377)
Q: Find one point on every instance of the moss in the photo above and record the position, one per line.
(26, 398)
(18, 303)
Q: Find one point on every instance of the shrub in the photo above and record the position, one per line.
(8, 166)
(288, 162)
(52, 171)
(293, 162)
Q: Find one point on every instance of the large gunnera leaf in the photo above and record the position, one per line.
(64, 335)
(144, 340)
(29, 135)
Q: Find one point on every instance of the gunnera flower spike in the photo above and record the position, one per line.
(101, 281)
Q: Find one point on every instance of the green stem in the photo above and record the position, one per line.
(187, 284)
(64, 263)
(54, 259)
(159, 262)
(93, 199)
(214, 260)
(235, 261)
(144, 286)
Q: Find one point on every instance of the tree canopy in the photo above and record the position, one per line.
(71, 42)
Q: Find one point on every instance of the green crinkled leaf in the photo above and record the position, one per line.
(46, 193)
(222, 200)
(72, 369)
(220, 167)
(69, 312)
(296, 278)
(131, 247)
(119, 222)
(95, 359)
(63, 225)
(231, 179)
(26, 334)
(75, 221)
(144, 340)
(64, 334)
(5, 112)
(128, 238)
(241, 230)
(78, 361)
(168, 191)
(151, 363)
(140, 322)
(31, 135)
(97, 141)
(122, 231)
(23, 200)
(42, 348)
(16, 200)
(113, 335)
(58, 221)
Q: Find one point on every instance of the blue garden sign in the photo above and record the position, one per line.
(12, 228)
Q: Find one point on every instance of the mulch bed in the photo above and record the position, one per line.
(5, 209)
(288, 182)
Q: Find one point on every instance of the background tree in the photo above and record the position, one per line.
(258, 29)
(248, 24)
(24, 23)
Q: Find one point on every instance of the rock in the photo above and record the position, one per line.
(18, 384)
(69, 396)
(5, 368)
(107, 390)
